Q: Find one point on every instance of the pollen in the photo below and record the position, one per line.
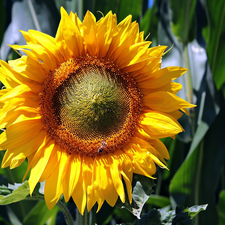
(88, 101)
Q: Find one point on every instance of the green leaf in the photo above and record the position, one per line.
(121, 8)
(20, 192)
(15, 176)
(21, 209)
(183, 19)
(167, 217)
(126, 8)
(4, 190)
(181, 216)
(40, 215)
(221, 207)
(190, 185)
(194, 210)
(142, 189)
(149, 23)
(214, 35)
(159, 201)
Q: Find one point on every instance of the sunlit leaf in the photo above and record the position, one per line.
(19, 193)
(194, 210)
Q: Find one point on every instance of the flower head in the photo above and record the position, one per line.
(87, 109)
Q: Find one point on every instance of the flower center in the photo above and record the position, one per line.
(92, 104)
(89, 106)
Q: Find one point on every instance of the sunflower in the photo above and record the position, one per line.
(87, 109)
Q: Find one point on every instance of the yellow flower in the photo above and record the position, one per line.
(87, 109)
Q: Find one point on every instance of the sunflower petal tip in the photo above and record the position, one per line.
(63, 11)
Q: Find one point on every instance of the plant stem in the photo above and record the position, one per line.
(68, 217)
(85, 219)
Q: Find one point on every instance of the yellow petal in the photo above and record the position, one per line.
(68, 37)
(115, 169)
(162, 77)
(127, 173)
(19, 133)
(52, 163)
(78, 23)
(90, 32)
(40, 161)
(53, 184)
(9, 117)
(79, 194)
(9, 77)
(16, 104)
(105, 29)
(21, 152)
(28, 68)
(97, 188)
(144, 145)
(160, 125)
(72, 174)
(103, 181)
(39, 54)
(19, 90)
(157, 51)
(142, 164)
(133, 54)
(87, 170)
(160, 147)
(126, 40)
(165, 102)
(48, 42)
(29, 160)
(121, 34)
(155, 64)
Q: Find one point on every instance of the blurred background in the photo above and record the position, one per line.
(195, 29)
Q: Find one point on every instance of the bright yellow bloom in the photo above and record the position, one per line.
(87, 109)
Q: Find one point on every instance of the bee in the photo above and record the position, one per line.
(102, 146)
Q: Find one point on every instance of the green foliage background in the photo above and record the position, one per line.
(196, 28)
